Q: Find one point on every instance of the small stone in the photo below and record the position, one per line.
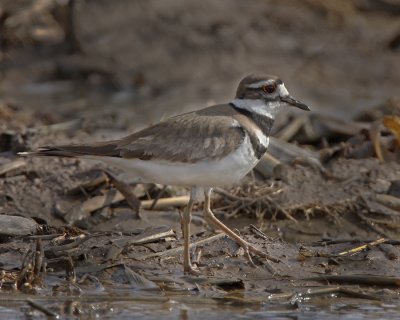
(394, 189)
(17, 226)
(380, 186)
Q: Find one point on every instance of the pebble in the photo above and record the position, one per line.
(17, 226)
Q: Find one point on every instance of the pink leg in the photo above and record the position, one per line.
(209, 216)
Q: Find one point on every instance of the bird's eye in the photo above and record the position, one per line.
(269, 88)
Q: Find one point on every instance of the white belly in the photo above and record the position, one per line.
(207, 173)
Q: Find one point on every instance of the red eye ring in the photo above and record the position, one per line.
(269, 88)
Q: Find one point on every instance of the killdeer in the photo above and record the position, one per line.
(215, 146)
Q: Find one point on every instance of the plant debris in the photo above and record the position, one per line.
(78, 239)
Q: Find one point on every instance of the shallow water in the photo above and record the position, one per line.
(190, 306)
(319, 78)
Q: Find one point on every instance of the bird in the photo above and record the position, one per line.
(211, 147)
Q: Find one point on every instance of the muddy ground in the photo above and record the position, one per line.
(75, 238)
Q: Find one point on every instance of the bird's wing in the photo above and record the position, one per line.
(206, 134)
(186, 138)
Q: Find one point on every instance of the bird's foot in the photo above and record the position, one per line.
(188, 269)
(249, 248)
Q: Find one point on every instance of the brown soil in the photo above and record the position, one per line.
(338, 189)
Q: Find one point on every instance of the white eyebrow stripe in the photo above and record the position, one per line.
(259, 84)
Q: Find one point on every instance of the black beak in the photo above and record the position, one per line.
(295, 103)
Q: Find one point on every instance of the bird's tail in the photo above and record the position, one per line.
(97, 149)
(48, 152)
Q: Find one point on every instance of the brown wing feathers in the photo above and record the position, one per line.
(186, 138)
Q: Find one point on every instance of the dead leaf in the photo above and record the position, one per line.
(393, 124)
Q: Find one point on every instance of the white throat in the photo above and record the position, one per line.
(258, 106)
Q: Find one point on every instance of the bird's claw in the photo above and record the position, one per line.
(190, 270)
(248, 248)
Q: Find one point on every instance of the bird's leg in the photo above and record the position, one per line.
(187, 216)
(209, 217)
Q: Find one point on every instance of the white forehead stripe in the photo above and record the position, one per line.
(259, 84)
(282, 90)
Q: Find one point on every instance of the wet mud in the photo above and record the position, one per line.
(80, 239)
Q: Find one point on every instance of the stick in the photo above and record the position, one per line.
(126, 191)
(163, 203)
(359, 279)
(180, 249)
(388, 201)
(267, 165)
(361, 248)
(258, 232)
(41, 308)
(289, 131)
(4, 168)
(60, 250)
(62, 126)
(99, 202)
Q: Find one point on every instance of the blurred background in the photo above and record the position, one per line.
(135, 62)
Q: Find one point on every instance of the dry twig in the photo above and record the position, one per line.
(42, 308)
(180, 249)
(366, 279)
(13, 165)
(361, 248)
(126, 191)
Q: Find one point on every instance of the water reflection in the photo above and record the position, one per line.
(185, 307)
